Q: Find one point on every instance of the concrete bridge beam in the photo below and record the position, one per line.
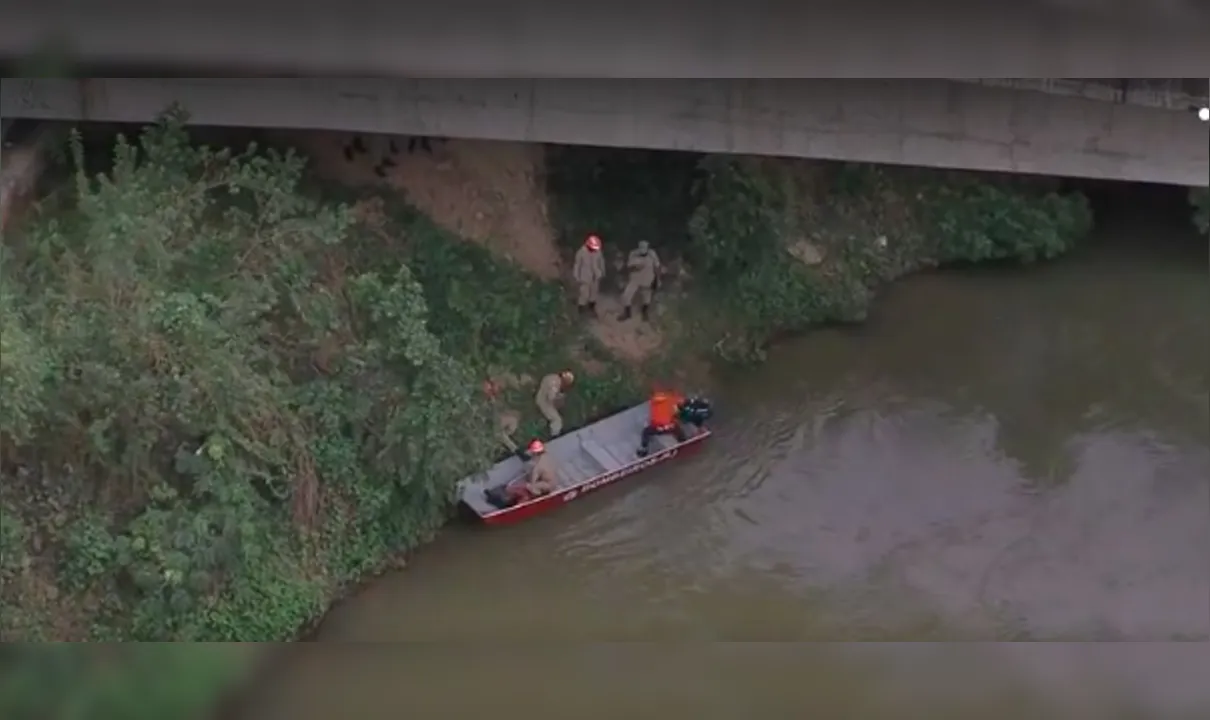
(916, 122)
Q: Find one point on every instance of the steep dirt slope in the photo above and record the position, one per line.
(489, 192)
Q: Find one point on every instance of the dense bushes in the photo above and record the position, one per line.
(742, 231)
(987, 223)
(1199, 198)
(784, 245)
(175, 310)
(222, 399)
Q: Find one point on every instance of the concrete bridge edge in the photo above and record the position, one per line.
(922, 122)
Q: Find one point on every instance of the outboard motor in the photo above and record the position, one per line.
(696, 410)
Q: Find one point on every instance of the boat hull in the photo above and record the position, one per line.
(547, 503)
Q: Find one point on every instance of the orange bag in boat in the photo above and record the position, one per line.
(663, 408)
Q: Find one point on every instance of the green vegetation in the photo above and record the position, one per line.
(224, 400)
(1199, 198)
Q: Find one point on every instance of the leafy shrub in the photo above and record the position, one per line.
(739, 232)
(91, 552)
(741, 221)
(979, 223)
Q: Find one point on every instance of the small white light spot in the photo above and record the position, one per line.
(1204, 114)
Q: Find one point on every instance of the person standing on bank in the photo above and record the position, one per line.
(644, 267)
(550, 394)
(588, 270)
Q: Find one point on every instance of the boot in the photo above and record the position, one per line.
(625, 314)
(644, 312)
(582, 310)
(592, 309)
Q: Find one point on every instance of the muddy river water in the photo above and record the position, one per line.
(996, 455)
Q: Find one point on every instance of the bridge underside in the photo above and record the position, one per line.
(930, 123)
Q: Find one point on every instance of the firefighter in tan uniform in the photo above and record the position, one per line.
(550, 393)
(543, 471)
(507, 423)
(644, 266)
(588, 270)
(539, 477)
(507, 420)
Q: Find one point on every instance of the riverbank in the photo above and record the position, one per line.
(207, 438)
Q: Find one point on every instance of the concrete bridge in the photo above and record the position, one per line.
(939, 123)
(1057, 127)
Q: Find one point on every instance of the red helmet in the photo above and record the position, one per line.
(593, 243)
(536, 447)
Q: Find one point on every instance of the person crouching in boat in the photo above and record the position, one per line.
(541, 477)
(670, 412)
(664, 406)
